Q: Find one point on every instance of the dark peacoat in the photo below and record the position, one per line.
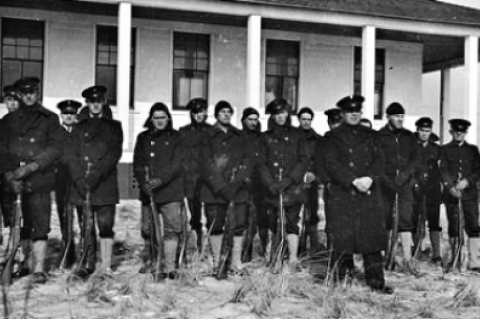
(98, 141)
(460, 160)
(252, 139)
(32, 133)
(428, 176)
(224, 158)
(192, 135)
(161, 152)
(355, 220)
(284, 146)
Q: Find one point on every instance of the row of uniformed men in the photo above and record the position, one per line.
(213, 165)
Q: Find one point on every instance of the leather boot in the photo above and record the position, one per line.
(407, 243)
(435, 239)
(314, 240)
(199, 233)
(106, 246)
(263, 234)
(170, 246)
(27, 264)
(236, 264)
(292, 241)
(39, 253)
(216, 247)
(474, 254)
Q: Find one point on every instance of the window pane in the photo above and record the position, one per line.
(196, 87)
(9, 52)
(9, 41)
(32, 69)
(103, 57)
(179, 63)
(181, 90)
(273, 88)
(202, 64)
(22, 53)
(290, 92)
(36, 54)
(106, 76)
(23, 41)
(11, 71)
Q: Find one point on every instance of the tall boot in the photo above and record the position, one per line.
(407, 243)
(106, 246)
(474, 254)
(27, 264)
(236, 264)
(435, 239)
(170, 246)
(263, 234)
(39, 253)
(216, 246)
(199, 233)
(292, 242)
(314, 240)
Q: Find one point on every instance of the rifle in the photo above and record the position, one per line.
(185, 231)
(420, 231)
(157, 229)
(277, 258)
(460, 240)
(88, 240)
(249, 234)
(227, 239)
(13, 241)
(392, 250)
(69, 251)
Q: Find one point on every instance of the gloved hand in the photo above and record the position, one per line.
(401, 180)
(82, 186)
(363, 184)
(309, 177)
(15, 185)
(25, 170)
(229, 192)
(463, 184)
(149, 186)
(93, 178)
(455, 192)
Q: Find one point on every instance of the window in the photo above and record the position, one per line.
(22, 50)
(379, 78)
(282, 69)
(106, 67)
(191, 56)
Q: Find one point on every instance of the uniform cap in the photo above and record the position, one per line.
(249, 111)
(69, 106)
(278, 105)
(333, 114)
(197, 104)
(11, 91)
(395, 108)
(424, 122)
(94, 92)
(27, 85)
(459, 125)
(351, 103)
(305, 110)
(222, 105)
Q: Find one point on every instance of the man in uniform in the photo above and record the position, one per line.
(251, 133)
(192, 135)
(401, 162)
(157, 165)
(63, 183)
(428, 187)
(305, 117)
(334, 118)
(354, 163)
(283, 169)
(460, 169)
(32, 140)
(11, 98)
(225, 169)
(94, 153)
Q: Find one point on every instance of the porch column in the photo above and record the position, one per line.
(445, 103)
(471, 87)
(368, 71)
(123, 68)
(254, 50)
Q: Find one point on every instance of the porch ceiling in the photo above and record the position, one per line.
(439, 51)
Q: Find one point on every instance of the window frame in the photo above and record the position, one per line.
(190, 58)
(112, 62)
(39, 27)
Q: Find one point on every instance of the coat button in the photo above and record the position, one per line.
(152, 142)
(86, 134)
(350, 151)
(86, 158)
(351, 164)
(353, 193)
(152, 154)
(166, 143)
(32, 140)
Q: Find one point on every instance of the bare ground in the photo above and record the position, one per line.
(128, 294)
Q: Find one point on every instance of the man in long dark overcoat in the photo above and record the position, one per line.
(158, 151)
(32, 137)
(95, 150)
(192, 135)
(356, 221)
